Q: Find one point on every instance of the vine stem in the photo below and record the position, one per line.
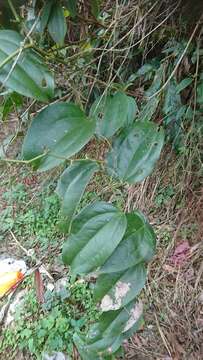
(15, 53)
(23, 161)
(44, 154)
(10, 3)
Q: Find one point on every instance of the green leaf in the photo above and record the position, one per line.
(135, 152)
(11, 102)
(157, 81)
(105, 337)
(72, 184)
(183, 84)
(59, 131)
(116, 290)
(132, 110)
(148, 109)
(138, 245)
(30, 76)
(95, 7)
(72, 7)
(57, 24)
(44, 18)
(111, 113)
(200, 93)
(96, 238)
(172, 101)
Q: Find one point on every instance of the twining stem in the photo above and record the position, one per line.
(14, 11)
(14, 54)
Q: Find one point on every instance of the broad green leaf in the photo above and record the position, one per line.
(135, 152)
(148, 109)
(156, 83)
(72, 7)
(30, 77)
(174, 111)
(106, 337)
(57, 24)
(59, 131)
(138, 245)
(183, 84)
(200, 93)
(71, 186)
(116, 290)
(144, 69)
(110, 112)
(95, 7)
(172, 101)
(44, 18)
(132, 110)
(95, 240)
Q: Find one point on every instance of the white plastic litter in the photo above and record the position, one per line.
(8, 264)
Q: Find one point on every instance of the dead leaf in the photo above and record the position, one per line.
(39, 286)
(180, 254)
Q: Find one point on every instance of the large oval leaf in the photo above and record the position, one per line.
(71, 186)
(135, 152)
(30, 77)
(59, 131)
(57, 24)
(110, 112)
(116, 290)
(138, 245)
(95, 240)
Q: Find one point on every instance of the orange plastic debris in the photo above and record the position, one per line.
(8, 280)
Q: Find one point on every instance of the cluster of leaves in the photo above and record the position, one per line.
(101, 239)
(39, 330)
(100, 236)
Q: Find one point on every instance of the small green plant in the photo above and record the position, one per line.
(48, 328)
(35, 219)
(164, 195)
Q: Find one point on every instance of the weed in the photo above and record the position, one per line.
(51, 327)
(33, 219)
(164, 195)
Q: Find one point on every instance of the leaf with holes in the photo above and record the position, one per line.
(59, 131)
(100, 229)
(138, 245)
(71, 186)
(30, 77)
(110, 112)
(57, 24)
(135, 152)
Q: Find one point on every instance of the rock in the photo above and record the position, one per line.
(56, 356)
(18, 301)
